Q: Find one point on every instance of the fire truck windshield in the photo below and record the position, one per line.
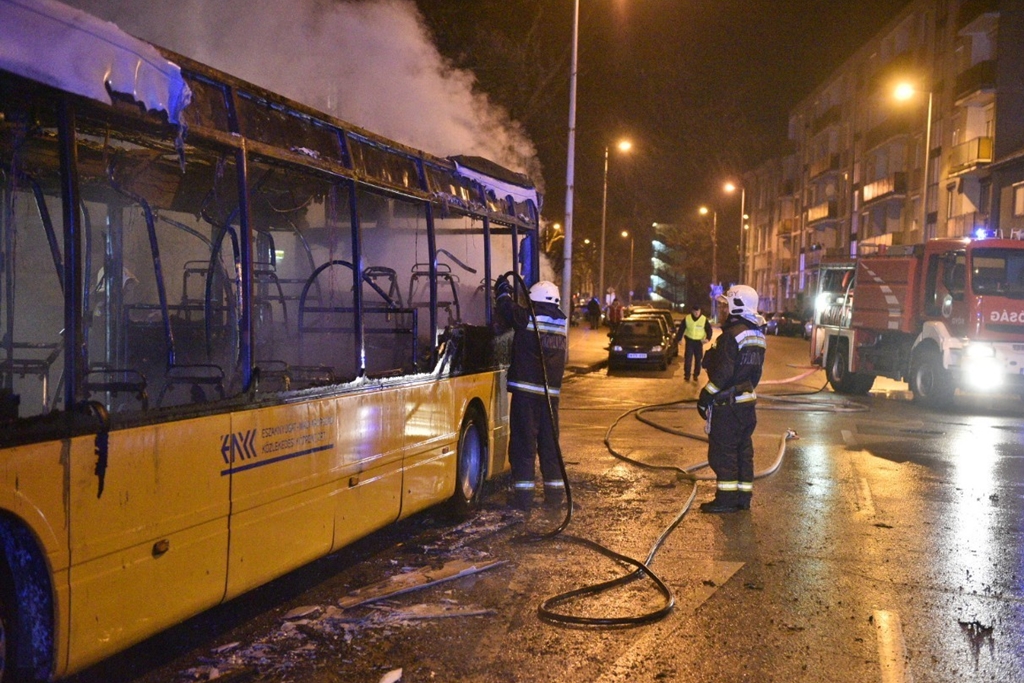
(998, 271)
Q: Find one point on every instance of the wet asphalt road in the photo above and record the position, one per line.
(886, 547)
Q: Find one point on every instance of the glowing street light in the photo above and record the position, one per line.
(905, 91)
(622, 146)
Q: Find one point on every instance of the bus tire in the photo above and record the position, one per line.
(928, 380)
(471, 464)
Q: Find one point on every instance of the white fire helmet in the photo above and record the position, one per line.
(545, 291)
(741, 300)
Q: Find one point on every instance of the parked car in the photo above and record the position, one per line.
(664, 318)
(785, 325)
(638, 342)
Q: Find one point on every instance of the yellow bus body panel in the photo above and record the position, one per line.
(291, 494)
(33, 489)
(430, 444)
(197, 511)
(150, 551)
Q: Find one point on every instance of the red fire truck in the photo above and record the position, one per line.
(944, 315)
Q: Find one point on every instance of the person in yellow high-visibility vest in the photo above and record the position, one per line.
(694, 330)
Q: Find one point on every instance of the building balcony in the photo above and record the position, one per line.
(890, 187)
(965, 225)
(822, 212)
(977, 16)
(969, 155)
(892, 127)
(763, 260)
(820, 167)
(832, 116)
(788, 226)
(977, 85)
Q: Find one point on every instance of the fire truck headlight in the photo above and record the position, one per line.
(983, 374)
(979, 351)
(821, 302)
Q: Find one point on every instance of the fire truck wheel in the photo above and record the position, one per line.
(839, 376)
(929, 382)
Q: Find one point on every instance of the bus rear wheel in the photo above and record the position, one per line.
(470, 470)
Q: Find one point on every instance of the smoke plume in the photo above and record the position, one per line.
(368, 62)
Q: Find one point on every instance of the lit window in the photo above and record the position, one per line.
(1018, 200)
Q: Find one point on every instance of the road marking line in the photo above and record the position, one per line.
(637, 656)
(892, 650)
(848, 438)
(865, 503)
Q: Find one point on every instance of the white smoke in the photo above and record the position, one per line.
(368, 62)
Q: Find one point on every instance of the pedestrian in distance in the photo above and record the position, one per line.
(594, 313)
(727, 401)
(614, 315)
(695, 330)
(538, 357)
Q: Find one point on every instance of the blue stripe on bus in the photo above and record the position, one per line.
(279, 458)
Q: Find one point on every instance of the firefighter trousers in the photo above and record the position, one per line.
(532, 433)
(731, 449)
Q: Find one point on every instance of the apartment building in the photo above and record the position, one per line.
(869, 169)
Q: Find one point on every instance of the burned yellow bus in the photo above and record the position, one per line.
(236, 334)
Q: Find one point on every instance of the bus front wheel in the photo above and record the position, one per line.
(472, 459)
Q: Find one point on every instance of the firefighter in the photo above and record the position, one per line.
(531, 429)
(727, 401)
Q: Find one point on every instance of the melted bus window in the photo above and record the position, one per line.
(161, 270)
(31, 240)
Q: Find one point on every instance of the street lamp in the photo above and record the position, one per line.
(730, 188)
(704, 211)
(904, 91)
(622, 146)
(626, 233)
(570, 165)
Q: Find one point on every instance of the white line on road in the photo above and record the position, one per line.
(892, 650)
(865, 503)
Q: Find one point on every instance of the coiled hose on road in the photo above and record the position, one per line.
(643, 568)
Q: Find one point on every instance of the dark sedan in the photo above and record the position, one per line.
(638, 343)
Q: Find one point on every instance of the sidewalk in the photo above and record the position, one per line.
(588, 349)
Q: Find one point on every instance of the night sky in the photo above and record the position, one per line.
(702, 88)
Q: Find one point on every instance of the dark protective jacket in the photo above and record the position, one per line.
(734, 363)
(526, 374)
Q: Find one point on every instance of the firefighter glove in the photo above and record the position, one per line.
(704, 402)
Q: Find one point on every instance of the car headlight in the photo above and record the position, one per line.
(976, 350)
(656, 348)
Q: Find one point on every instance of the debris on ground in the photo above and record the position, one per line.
(305, 633)
(414, 580)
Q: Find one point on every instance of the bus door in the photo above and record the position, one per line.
(148, 509)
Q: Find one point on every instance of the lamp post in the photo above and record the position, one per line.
(626, 233)
(730, 188)
(704, 211)
(623, 146)
(904, 91)
(570, 165)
